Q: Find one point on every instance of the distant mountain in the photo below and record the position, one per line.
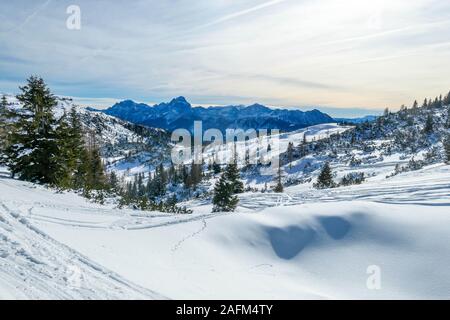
(356, 120)
(179, 113)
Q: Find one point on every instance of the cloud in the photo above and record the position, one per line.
(325, 52)
(241, 13)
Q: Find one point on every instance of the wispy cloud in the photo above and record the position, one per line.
(30, 16)
(324, 52)
(241, 13)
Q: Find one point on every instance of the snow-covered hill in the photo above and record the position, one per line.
(126, 148)
(299, 244)
(33, 265)
(302, 243)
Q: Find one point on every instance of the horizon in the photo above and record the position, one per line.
(344, 58)
(105, 103)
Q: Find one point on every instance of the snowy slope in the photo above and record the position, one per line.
(33, 265)
(126, 148)
(301, 244)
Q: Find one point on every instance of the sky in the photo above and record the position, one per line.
(346, 57)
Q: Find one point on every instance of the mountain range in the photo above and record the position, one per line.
(179, 113)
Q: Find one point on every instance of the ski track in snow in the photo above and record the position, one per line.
(35, 266)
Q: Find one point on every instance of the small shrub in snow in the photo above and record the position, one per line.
(352, 178)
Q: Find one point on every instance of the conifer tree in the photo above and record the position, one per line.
(32, 153)
(446, 100)
(224, 198)
(247, 158)
(113, 182)
(216, 166)
(290, 154)
(159, 182)
(65, 160)
(446, 143)
(97, 171)
(279, 186)
(4, 126)
(325, 179)
(94, 171)
(233, 176)
(428, 124)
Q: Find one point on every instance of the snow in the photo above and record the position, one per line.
(304, 243)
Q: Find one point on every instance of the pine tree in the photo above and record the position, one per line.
(97, 171)
(290, 154)
(428, 124)
(64, 159)
(325, 179)
(224, 199)
(157, 186)
(446, 144)
(232, 175)
(32, 153)
(247, 158)
(76, 144)
(279, 187)
(113, 182)
(4, 126)
(94, 171)
(196, 173)
(216, 167)
(446, 100)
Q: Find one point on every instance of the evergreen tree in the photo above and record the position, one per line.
(94, 171)
(446, 100)
(196, 173)
(4, 126)
(65, 161)
(290, 154)
(224, 198)
(216, 166)
(97, 171)
(325, 179)
(446, 143)
(428, 124)
(32, 153)
(279, 187)
(233, 176)
(171, 175)
(3, 104)
(247, 158)
(113, 182)
(159, 182)
(187, 180)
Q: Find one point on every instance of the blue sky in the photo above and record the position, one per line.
(348, 57)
